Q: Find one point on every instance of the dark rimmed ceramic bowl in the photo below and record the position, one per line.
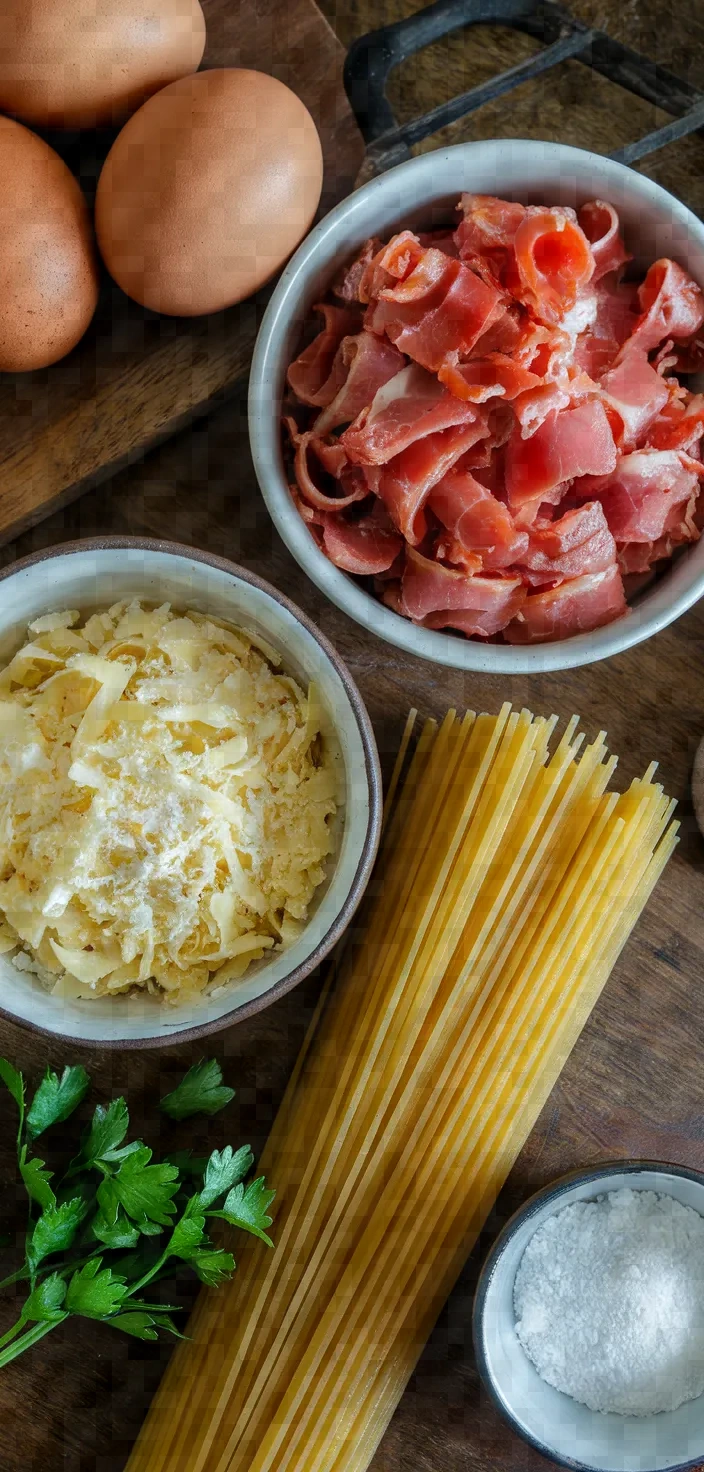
(564, 1431)
(98, 572)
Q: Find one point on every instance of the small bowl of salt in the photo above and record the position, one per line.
(589, 1319)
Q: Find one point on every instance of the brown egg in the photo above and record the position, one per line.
(48, 266)
(207, 191)
(82, 63)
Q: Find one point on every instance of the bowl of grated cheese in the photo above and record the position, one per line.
(190, 801)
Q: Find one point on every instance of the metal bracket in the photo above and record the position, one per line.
(372, 57)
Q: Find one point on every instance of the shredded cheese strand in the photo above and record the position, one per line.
(167, 797)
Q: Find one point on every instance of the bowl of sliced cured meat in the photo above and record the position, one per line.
(474, 406)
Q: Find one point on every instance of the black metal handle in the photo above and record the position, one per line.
(372, 57)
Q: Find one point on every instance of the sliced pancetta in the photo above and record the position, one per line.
(363, 365)
(490, 426)
(309, 376)
(411, 405)
(477, 520)
(643, 496)
(435, 595)
(600, 224)
(365, 547)
(573, 442)
(568, 546)
(574, 607)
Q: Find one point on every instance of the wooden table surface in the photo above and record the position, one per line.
(634, 1085)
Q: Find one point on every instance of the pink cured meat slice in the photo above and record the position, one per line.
(391, 264)
(366, 547)
(408, 407)
(406, 481)
(507, 598)
(574, 607)
(638, 557)
(534, 405)
(680, 426)
(441, 308)
(347, 284)
(636, 393)
(310, 373)
(477, 520)
(671, 304)
(576, 543)
(635, 558)
(430, 590)
(616, 316)
(418, 283)
(488, 226)
(504, 335)
(572, 443)
(600, 224)
(496, 376)
(447, 549)
(333, 461)
(364, 363)
(644, 492)
(553, 260)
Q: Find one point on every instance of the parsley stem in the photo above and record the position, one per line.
(11, 1333)
(31, 1337)
(148, 1276)
(15, 1277)
(46, 1267)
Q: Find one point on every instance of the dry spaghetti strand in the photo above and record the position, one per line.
(508, 881)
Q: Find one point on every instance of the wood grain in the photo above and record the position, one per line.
(135, 378)
(634, 1084)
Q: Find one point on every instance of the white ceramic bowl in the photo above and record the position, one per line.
(95, 574)
(422, 193)
(556, 1425)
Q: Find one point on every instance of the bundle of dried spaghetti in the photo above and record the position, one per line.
(509, 880)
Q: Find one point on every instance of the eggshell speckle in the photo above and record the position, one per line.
(48, 268)
(83, 63)
(207, 191)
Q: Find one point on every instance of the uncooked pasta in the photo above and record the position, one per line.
(509, 880)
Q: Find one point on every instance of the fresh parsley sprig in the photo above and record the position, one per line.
(114, 1199)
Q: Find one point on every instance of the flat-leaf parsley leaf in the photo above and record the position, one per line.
(201, 1092)
(36, 1180)
(95, 1291)
(145, 1191)
(56, 1098)
(13, 1081)
(46, 1300)
(225, 1168)
(109, 1126)
(246, 1207)
(54, 1231)
(114, 1199)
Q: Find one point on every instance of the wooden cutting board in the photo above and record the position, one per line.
(137, 377)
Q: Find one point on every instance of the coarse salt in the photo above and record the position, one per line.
(609, 1302)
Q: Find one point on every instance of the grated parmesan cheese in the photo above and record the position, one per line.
(166, 802)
